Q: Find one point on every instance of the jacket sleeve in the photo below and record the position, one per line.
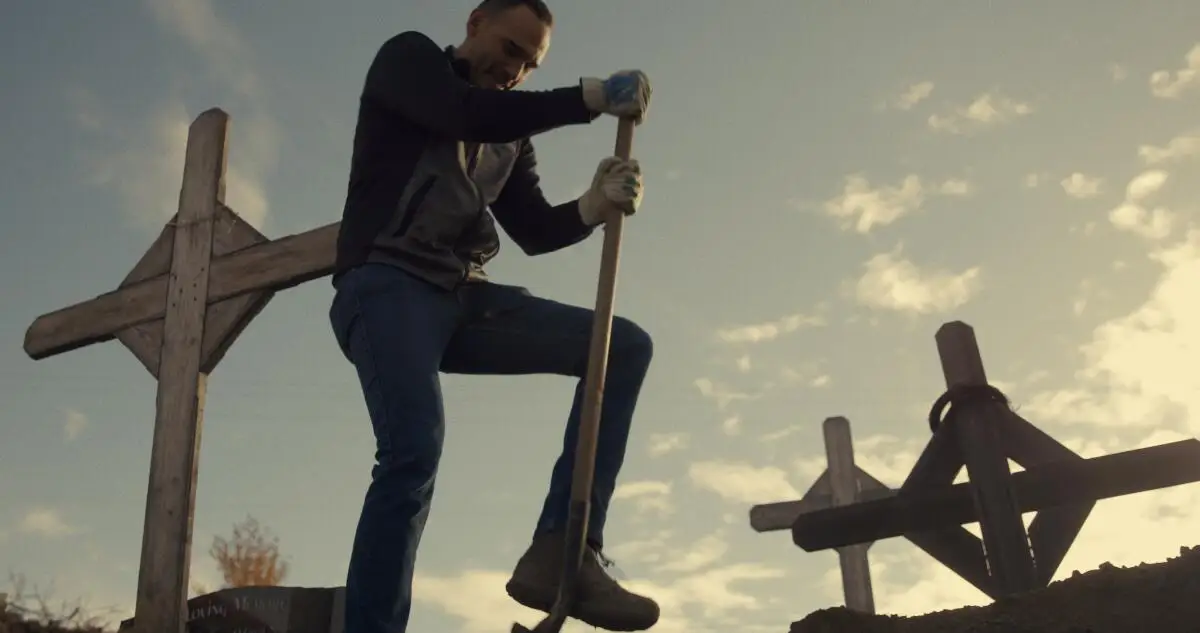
(412, 77)
(528, 218)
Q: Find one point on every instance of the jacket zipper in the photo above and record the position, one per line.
(472, 162)
(414, 204)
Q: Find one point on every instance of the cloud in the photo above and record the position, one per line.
(1138, 369)
(46, 523)
(694, 594)
(1132, 216)
(1167, 84)
(742, 483)
(721, 394)
(891, 282)
(1032, 180)
(664, 443)
(732, 425)
(743, 363)
(648, 497)
(697, 555)
(1081, 186)
(144, 158)
(770, 330)
(914, 94)
(1145, 185)
(74, 424)
(1118, 72)
(862, 207)
(886, 457)
(1177, 149)
(987, 110)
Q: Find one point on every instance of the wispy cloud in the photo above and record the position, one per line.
(1172, 84)
(1081, 186)
(665, 443)
(893, 282)
(1133, 216)
(769, 330)
(722, 394)
(743, 483)
(648, 497)
(74, 424)
(45, 522)
(1177, 149)
(1136, 369)
(142, 159)
(987, 110)
(914, 94)
(862, 207)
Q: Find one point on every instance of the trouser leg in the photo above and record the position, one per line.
(393, 328)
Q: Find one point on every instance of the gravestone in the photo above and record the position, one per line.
(264, 610)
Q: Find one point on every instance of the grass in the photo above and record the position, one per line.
(28, 610)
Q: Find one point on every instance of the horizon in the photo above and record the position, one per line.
(825, 187)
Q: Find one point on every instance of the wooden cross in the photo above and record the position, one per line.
(180, 308)
(841, 483)
(983, 434)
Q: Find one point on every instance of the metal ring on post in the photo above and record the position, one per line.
(957, 396)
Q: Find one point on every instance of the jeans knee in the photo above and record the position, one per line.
(631, 343)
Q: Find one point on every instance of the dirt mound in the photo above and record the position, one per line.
(1149, 598)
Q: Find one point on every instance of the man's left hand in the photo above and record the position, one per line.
(617, 184)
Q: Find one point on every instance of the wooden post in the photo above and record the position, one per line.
(843, 480)
(977, 428)
(170, 496)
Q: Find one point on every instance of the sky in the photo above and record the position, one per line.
(826, 184)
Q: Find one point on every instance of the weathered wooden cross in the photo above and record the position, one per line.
(843, 482)
(982, 433)
(180, 308)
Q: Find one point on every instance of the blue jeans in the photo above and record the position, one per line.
(400, 333)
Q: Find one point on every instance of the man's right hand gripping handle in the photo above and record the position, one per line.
(623, 94)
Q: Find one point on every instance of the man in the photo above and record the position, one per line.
(440, 139)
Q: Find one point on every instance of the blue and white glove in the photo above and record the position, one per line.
(624, 94)
(617, 186)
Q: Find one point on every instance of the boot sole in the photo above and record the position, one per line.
(540, 600)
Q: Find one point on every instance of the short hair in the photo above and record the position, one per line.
(538, 7)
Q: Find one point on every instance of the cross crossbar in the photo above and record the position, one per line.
(1049, 485)
(274, 265)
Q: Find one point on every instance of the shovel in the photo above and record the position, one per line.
(585, 449)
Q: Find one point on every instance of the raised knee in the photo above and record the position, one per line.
(631, 342)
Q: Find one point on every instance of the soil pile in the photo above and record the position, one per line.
(1149, 598)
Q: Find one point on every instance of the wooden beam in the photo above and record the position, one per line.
(1005, 543)
(225, 319)
(145, 340)
(270, 266)
(1052, 530)
(843, 479)
(166, 537)
(780, 515)
(953, 546)
(1054, 484)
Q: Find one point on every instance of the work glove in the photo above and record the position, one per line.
(617, 185)
(623, 94)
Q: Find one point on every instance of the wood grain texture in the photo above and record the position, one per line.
(166, 536)
(843, 480)
(1052, 530)
(270, 266)
(977, 427)
(225, 319)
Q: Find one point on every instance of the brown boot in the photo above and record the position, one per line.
(601, 602)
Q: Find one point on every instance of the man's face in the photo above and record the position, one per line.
(505, 47)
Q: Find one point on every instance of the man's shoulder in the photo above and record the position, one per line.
(411, 41)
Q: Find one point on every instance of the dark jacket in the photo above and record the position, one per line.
(432, 153)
